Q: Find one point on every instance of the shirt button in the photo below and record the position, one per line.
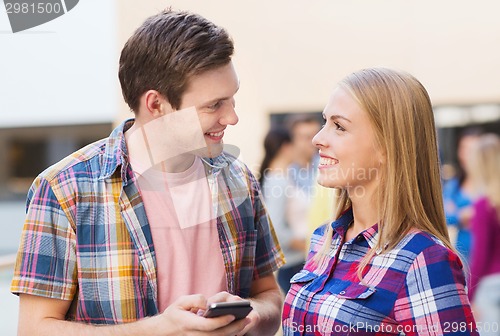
(342, 292)
(359, 238)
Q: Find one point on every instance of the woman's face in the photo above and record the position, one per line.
(349, 157)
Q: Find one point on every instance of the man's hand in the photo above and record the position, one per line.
(267, 302)
(252, 318)
(183, 314)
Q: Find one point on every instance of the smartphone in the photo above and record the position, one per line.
(239, 309)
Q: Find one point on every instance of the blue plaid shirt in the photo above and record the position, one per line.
(417, 288)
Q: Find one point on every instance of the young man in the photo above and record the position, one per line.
(141, 230)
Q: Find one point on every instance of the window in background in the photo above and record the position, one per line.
(26, 152)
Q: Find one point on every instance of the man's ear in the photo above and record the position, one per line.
(155, 104)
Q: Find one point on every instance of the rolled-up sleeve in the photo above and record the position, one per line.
(46, 260)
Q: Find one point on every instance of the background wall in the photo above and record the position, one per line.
(290, 54)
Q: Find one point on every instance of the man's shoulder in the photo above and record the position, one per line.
(86, 158)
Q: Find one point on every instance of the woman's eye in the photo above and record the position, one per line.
(338, 127)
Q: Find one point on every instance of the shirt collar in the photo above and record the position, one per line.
(115, 153)
(371, 235)
(341, 225)
(223, 161)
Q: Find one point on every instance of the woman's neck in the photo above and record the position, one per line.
(365, 212)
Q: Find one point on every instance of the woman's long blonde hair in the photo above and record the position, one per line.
(410, 194)
(485, 168)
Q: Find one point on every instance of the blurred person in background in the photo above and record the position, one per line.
(322, 209)
(118, 235)
(302, 170)
(282, 200)
(484, 288)
(459, 194)
(385, 266)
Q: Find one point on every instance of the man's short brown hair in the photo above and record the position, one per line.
(166, 51)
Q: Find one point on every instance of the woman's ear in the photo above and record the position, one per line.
(381, 158)
(380, 155)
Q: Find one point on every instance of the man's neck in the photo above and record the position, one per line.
(143, 155)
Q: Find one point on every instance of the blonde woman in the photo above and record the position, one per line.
(485, 258)
(385, 266)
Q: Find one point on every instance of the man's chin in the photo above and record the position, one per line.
(210, 151)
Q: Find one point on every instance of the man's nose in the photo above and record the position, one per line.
(230, 117)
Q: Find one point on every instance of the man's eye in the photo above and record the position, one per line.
(215, 106)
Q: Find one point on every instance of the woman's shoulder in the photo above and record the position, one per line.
(432, 265)
(420, 243)
(318, 237)
(320, 230)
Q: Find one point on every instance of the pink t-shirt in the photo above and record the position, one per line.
(186, 242)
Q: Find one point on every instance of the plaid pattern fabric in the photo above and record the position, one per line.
(418, 288)
(86, 236)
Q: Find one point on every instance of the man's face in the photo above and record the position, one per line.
(211, 93)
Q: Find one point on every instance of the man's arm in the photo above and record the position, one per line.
(267, 302)
(45, 316)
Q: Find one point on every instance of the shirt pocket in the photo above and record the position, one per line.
(301, 280)
(355, 291)
(356, 303)
(303, 276)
